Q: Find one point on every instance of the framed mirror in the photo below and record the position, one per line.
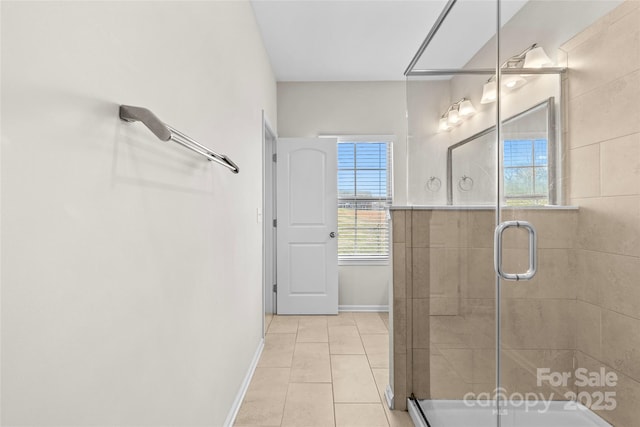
(528, 162)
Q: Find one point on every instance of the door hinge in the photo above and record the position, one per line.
(275, 157)
(275, 287)
(275, 222)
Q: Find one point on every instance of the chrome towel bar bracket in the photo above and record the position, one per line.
(164, 132)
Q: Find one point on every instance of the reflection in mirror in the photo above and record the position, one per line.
(527, 158)
(429, 98)
(534, 34)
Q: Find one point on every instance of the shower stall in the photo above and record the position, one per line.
(516, 263)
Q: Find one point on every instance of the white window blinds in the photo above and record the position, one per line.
(364, 197)
(526, 171)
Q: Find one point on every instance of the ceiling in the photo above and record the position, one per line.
(328, 40)
(367, 40)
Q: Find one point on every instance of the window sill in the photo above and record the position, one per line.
(363, 262)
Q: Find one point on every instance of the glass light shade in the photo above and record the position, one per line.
(453, 117)
(513, 81)
(466, 108)
(537, 58)
(444, 125)
(489, 92)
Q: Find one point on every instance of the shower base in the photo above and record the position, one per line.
(455, 413)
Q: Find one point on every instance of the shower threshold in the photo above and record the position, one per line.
(456, 413)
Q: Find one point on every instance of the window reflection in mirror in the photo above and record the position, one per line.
(527, 158)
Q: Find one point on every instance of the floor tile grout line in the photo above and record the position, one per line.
(285, 402)
(368, 361)
(284, 407)
(333, 394)
(381, 396)
(382, 402)
(374, 377)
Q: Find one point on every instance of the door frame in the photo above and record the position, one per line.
(269, 253)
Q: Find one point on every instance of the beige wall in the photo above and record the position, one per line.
(351, 108)
(131, 267)
(604, 162)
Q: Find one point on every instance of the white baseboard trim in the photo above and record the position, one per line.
(235, 407)
(388, 394)
(364, 308)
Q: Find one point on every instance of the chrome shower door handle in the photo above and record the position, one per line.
(533, 250)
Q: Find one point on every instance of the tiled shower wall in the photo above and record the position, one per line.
(604, 167)
(444, 302)
(410, 307)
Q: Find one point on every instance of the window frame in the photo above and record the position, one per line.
(390, 141)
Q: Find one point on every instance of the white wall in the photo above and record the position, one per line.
(427, 99)
(131, 268)
(351, 108)
(363, 287)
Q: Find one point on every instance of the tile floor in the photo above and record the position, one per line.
(322, 371)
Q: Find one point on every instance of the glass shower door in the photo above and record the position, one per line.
(568, 226)
(453, 295)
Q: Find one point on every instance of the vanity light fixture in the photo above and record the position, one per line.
(444, 125)
(456, 114)
(466, 108)
(453, 117)
(536, 57)
(489, 91)
(513, 81)
(532, 57)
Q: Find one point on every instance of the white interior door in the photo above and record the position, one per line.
(307, 260)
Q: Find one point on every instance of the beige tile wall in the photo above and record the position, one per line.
(444, 302)
(411, 304)
(604, 162)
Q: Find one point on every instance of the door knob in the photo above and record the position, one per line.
(332, 234)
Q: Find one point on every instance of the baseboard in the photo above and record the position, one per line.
(388, 394)
(235, 407)
(364, 308)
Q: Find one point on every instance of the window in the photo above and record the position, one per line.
(526, 172)
(364, 197)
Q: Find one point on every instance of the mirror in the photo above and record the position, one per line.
(528, 162)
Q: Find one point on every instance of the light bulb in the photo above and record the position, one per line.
(453, 117)
(466, 108)
(514, 81)
(489, 92)
(444, 125)
(537, 58)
